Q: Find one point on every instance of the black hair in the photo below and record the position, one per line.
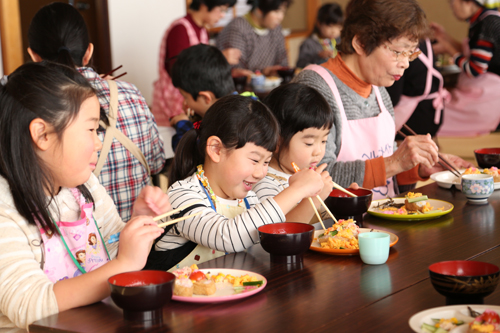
(328, 14)
(53, 93)
(202, 68)
(236, 120)
(267, 6)
(59, 33)
(195, 4)
(297, 107)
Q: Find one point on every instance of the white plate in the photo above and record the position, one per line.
(446, 179)
(458, 311)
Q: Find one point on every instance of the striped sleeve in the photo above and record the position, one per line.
(478, 62)
(268, 187)
(216, 231)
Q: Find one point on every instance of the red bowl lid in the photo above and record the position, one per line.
(286, 228)
(141, 278)
(359, 192)
(488, 151)
(463, 268)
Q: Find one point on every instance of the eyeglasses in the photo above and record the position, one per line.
(407, 54)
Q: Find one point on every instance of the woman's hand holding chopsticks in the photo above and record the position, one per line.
(455, 161)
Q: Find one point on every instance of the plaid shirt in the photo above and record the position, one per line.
(123, 176)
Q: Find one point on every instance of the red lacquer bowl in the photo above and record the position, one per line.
(345, 207)
(488, 157)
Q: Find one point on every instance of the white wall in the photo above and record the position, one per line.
(136, 29)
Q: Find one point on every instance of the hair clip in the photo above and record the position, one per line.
(197, 125)
(4, 80)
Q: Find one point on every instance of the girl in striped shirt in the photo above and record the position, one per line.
(216, 167)
(55, 217)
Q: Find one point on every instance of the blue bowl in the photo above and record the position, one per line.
(477, 188)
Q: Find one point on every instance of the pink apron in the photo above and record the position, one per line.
(364, 139)
(167, 100)
(407, 105)
(81, 248)
(475, 104)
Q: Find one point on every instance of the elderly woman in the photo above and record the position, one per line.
(258, 36)
(379, 39)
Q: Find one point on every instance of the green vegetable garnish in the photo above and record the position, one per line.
(252, 283)
(416, 199)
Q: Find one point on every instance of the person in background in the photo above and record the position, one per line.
(259, 38)
(419, 96)
(58, 33)
(321, 44)
(304, 119)
(218, 164)
(475, 105)
(183, 33)
(379, 39)
(49, 115)
(202, 75)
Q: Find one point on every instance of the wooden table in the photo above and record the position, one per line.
(326, 293)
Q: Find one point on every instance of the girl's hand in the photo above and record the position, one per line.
(307, 182)
(456, 161)
(327, 181)
(151, 202)
(136, 240)
(232, 55)
(415, 150)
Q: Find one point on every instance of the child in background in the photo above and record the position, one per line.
(48, 150)
(218, 164)
(185, 32)
(59, 33)
(202, 75)
(321, 44)
(305, 121)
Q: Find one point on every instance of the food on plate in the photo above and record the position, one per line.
(471, 171)
(341, 235)
(494, 172)
(191, 281)
(488, 322)
(415, 203)
(442, 325)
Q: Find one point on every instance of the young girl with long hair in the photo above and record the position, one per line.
(305, 120)
(50, 202)
(217, 165)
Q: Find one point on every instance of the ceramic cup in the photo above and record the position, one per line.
(258, 80)
(374, 247)
(477, 188)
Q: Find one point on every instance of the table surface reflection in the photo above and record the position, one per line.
(326, 293)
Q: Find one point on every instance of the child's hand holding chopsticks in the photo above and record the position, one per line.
(152, 201)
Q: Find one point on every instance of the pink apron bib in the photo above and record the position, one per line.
(364, 139)
(407, 105)
(167, 100)
(80, 248)
(474, 108)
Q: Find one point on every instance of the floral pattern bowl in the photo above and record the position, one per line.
(477, 188)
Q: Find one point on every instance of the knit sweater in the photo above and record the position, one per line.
(26, 293)
(356, 107)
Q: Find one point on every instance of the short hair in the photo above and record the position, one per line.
(195, 4)
(297, 107)
(329, 14)
(267, 6)
(202, 68)
(377, 21)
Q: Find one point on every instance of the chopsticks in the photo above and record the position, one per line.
(114, 238)
(296, 169)
(114, 70)
(338, 187)
(446, 164)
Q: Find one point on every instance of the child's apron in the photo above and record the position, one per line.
(201, 253)
(407, 105)
(474, 108)
(364, 139)
(167, 100)
(78, 250)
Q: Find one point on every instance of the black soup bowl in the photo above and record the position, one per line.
(142, 294)
(488, 157)
(345, 207)
(287, 241)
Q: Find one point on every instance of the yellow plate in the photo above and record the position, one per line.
(346, 252)
(447, 207)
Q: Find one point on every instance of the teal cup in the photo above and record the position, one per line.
(374, 247)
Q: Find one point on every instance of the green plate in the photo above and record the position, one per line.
(448, 207)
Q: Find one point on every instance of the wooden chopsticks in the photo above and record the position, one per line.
(446, 164)
(114, 70)
(296, 169)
